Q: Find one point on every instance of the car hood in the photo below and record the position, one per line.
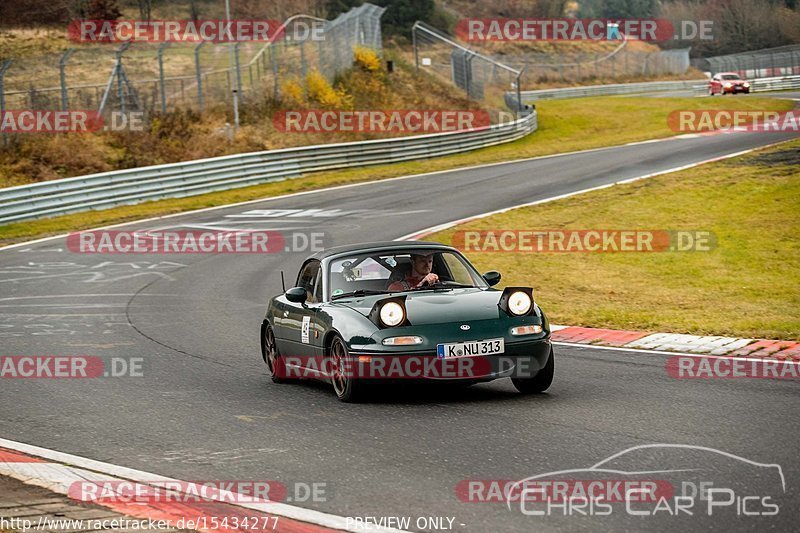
(430, 307)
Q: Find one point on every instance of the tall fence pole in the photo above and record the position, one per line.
(274, 61)
(198, 73)
(162, 90)
(3, 68)
(416, 50)
(120, 95)
(62, 64)
(303, 64)
(238, 67)
(238, 90)
(235, 64)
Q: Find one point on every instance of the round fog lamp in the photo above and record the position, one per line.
(392, 314)
(519, 303)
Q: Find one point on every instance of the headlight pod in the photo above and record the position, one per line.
(389, 313)
(516, 301)
(519, 303)
(746, 84)
(392, 314)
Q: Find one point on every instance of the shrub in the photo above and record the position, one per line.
(367, 59)
(292, 93)
(320, 91)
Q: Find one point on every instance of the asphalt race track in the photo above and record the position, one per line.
(205, 409)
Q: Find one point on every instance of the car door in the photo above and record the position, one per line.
(715, 83)
(299, 319)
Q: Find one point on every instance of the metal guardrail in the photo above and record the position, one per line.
(606, 90)
(762, 84)
(697, 86)
(176, 180)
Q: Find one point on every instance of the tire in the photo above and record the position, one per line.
(272, 356)
(347, 389)
(538, 383)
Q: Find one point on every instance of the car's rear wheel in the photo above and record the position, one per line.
(538, 383)
(347, 388)
(273, 357)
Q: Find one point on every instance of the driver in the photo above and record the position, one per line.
(419, 276)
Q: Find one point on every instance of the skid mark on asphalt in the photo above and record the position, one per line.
(205, 456)
(102, 272)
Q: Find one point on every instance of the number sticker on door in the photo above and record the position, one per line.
(304, 329)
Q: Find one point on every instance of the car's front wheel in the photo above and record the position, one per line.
(347, 388)
(273, 357)
(538, 383)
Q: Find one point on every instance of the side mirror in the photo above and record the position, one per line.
(492, 277)
(296, 295)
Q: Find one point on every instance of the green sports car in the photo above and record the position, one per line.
(384, 312)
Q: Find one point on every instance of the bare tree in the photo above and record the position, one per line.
(145, 9)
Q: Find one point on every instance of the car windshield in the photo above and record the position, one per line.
(730, 77)
(384, 272)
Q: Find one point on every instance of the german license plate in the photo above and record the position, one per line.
(470, 348)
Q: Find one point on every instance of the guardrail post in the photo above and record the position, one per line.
(3, 68)
(198, 74)
(62, 76)
(162, 91)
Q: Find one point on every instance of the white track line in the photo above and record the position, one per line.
(281, 509)
(447, 225)
(662, 352)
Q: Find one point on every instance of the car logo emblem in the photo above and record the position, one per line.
(465, 327)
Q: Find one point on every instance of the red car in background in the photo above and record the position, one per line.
(728, 82)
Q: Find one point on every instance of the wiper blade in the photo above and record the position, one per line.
(359, 292)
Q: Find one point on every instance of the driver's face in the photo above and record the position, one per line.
(423, 265)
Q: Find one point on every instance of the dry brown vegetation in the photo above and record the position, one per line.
(186, 134)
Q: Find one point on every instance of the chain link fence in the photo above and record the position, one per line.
(621, 62)
(495, 77)
(482, 78)
(766, 63)
(158, 77)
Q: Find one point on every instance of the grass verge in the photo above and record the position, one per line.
(748, 286)
(564, 125)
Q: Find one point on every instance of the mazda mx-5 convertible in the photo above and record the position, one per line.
(383, 312)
